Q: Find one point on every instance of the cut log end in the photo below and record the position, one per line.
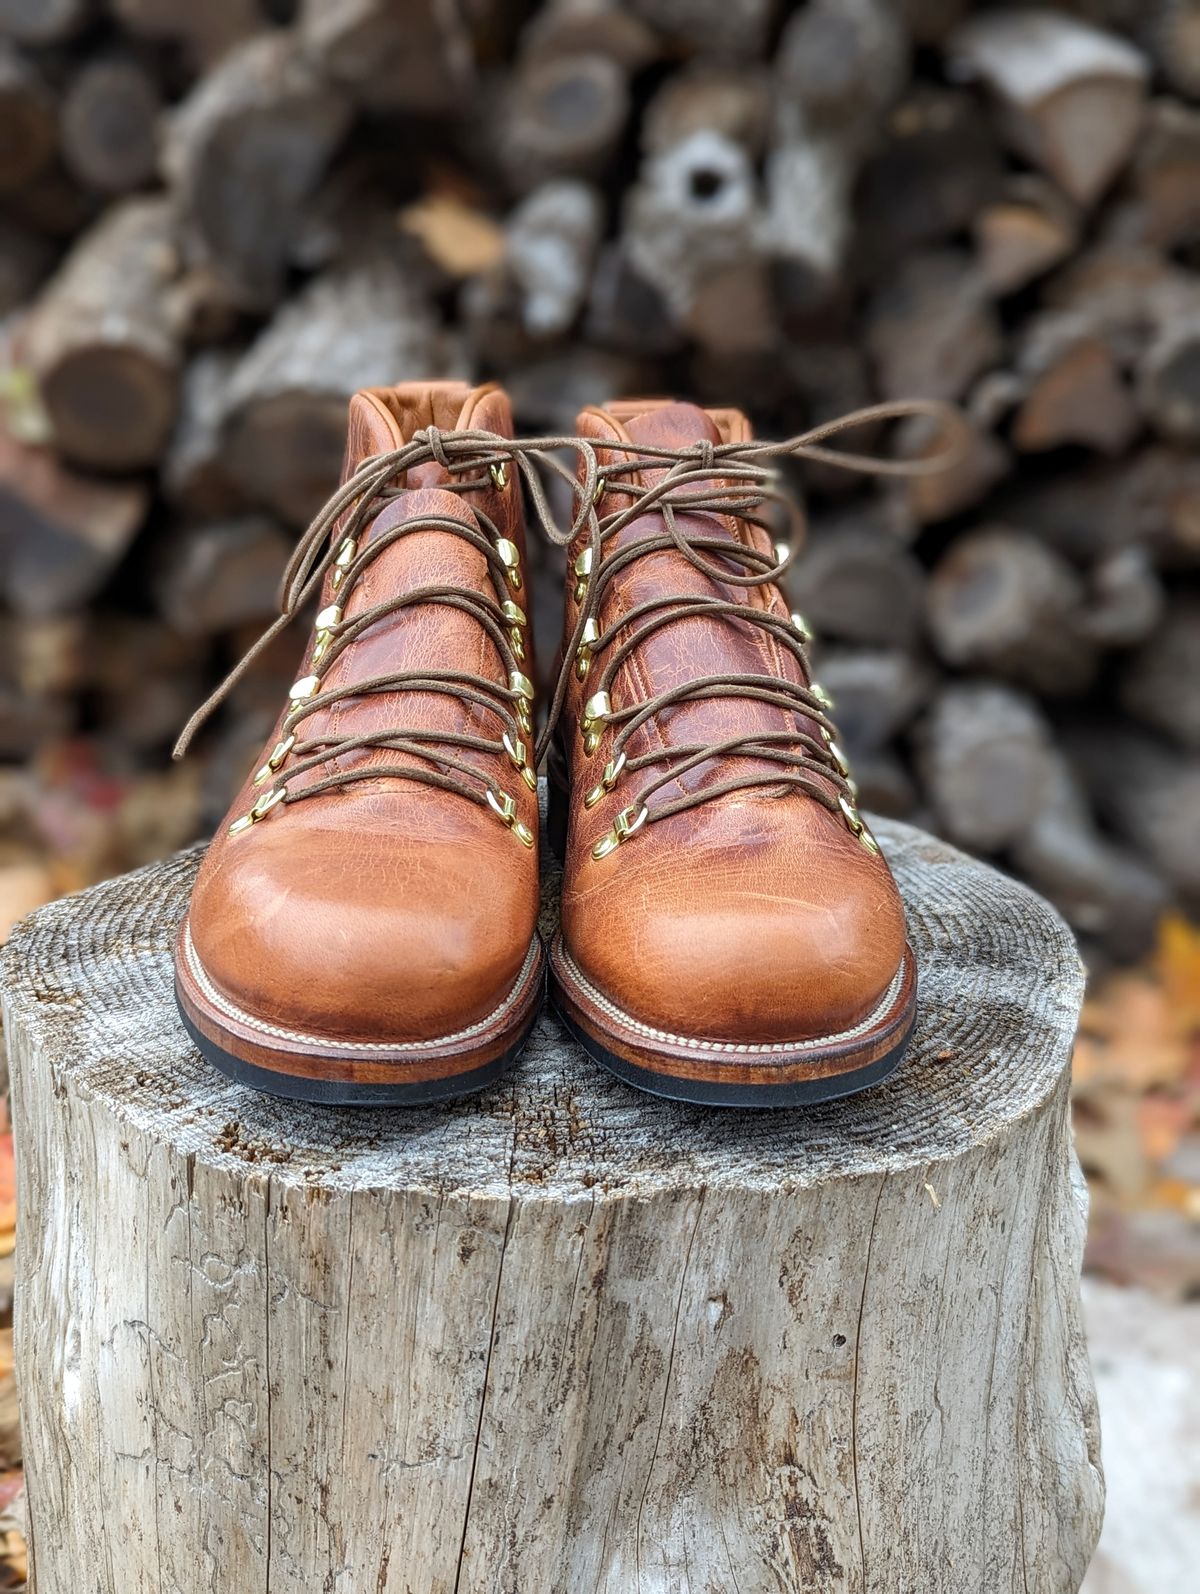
(113, 409)
(669, 1325)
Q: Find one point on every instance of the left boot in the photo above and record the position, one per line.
(731, 933)
(363, 926)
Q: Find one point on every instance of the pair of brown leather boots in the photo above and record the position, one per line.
(364, 926)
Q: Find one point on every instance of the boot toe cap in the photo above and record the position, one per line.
(414, 948)
(745, 945)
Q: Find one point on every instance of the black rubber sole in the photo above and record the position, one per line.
(344, 1093)
(712, 1093)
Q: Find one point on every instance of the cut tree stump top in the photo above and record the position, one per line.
(88, 981)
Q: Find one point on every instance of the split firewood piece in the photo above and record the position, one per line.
(103, 340)
(550, 249)
(285, 423)
(625, 312)
(391, 55)
(1160, 683)
(1171, 32)
(809, 220)
(931, 328)
(937, 164)
(1163, 209)
(1025, 232)
(1105, 893)
(47, 656)
(244, 154)
(1151, 498)
(710, 27)
(1125, 599)
(63, 533)
(693, 211)
(731, 100)
(212, 578)
(1149, 792)
(147, 680)
(194, 474)
(43, 21)
(205, 31)
(1123, 289)
(840, 64)
(28, 123)
(110, 125)
(999, 600)
(54, 205)
(1074, 390)
(986, 760)
(859, 585)
(878, 692)
(1070, 96)
(982, 462)
(930, 21)
(590, 27)
(563, 117)
(1169, 379)
(25, 262)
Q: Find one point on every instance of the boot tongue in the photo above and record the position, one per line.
(371, 429)
(673, 426)
(675, 655)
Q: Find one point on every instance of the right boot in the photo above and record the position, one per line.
(363, 925)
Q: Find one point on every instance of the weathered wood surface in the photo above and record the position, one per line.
(562, 1336)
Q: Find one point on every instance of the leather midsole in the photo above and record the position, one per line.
(221, 1005)
(637, 1026)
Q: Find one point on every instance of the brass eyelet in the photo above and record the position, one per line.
(499, 475)
(627, 823)
(612, 773)
(504, 805)
(515, 748)
(327, 621)
(597, 708)
(587, 643)
(839, 758)
(510, 558)
(346, 555)
(520, 685)
(517, 622)
(300, 691)
(821, 695)
(855, 825)
(276, 757)
(783, 553)
(801, 627)
(260, 810)
(583, 569)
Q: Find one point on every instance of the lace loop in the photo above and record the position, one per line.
(684, 485)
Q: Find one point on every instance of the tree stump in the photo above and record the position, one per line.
(561, 1336)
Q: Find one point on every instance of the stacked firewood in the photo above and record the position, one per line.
(218, 219)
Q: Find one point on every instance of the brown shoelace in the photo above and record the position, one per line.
(487, 458)
(747, 485)
(727, 479)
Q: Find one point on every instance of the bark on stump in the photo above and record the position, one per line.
(561, 1336)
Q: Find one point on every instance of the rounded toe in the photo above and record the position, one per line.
(414, 948)
(749, 946)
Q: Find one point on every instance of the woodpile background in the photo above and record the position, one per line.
(217, 219)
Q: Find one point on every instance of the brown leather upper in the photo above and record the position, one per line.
(384, 909)
(756, 916)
